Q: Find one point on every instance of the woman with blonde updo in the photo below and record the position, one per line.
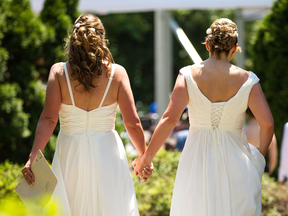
(219, 172)
(89, 162)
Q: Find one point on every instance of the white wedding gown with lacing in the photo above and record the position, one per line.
(90, 163)
(219, 172)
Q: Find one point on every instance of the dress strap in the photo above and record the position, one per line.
(69, 85)
(108, 85)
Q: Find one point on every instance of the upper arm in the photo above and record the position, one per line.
(259, 107)
(53, 95)
(125, 98)
(179, 99)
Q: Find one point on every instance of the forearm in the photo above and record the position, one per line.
(272, 162)
(44, 131)
(137, 137)
(273, 155)
(160, 135)
(266, 134)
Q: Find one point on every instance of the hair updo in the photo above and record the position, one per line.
(87, 51)
(222, 36)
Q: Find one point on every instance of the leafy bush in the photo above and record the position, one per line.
(13, 120)
(12, 206)
(274, 197)
(269, 61)
(10, 176)
(153, 197)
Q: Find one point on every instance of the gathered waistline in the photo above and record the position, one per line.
(210, 128)
(85, 133)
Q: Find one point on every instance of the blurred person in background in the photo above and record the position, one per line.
(182, 130)
(283, 168)
(252, 131)
(90, 161)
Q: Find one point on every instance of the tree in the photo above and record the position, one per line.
(21, 94)
(28, 48)
(54, 15)
(131, 38)
(269, 56)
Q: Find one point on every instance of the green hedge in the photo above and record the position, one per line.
(153, 197)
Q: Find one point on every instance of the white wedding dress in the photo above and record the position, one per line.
(219, 172)
(90, 163)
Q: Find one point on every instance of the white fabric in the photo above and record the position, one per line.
(219, 172)
(108, 86)
(69, 84)
(91, 165)
(283, 168)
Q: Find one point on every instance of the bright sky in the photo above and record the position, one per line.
(116, 6)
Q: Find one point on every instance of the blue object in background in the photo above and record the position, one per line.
(153, 107)
(181, 139)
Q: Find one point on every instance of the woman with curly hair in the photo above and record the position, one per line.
(219, 172)
(89, 162)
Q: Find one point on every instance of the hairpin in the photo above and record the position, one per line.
(208, 31)
(77, 25)
(216, 46)
(93, 29)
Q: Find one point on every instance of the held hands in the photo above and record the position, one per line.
(142, 168)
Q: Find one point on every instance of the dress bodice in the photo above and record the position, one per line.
(227, 115)
(76, 121)
(79, 122)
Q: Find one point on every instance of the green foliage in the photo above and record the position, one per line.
(154, 196)
(131, 38)
(10, 176)
(54, 15)
(71, 9)
(131, 44)
(194, 23)
(269, 61)
(13, 121)
(3, 52)
(13, 206)
(28, 48)
(274, 197)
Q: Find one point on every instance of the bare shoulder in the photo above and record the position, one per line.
(239, 72)
(57, 69)
(196, 68)
(120, 73)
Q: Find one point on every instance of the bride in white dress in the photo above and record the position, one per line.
(89, 162)
(219, 172)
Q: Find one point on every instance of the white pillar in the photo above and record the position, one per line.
(240, 62)
(163, 60)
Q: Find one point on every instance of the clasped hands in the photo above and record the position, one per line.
(143, 168)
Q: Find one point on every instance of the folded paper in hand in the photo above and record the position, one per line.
(45, 183)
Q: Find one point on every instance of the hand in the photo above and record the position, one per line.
(146, 173)
(143, 169)
(27, 173)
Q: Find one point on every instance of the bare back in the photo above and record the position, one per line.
(89, 101)
(219, 80)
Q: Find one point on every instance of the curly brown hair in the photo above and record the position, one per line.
(87, 51)
(222, 36)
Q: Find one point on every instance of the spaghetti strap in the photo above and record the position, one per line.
(69, 85)
(108, 85)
